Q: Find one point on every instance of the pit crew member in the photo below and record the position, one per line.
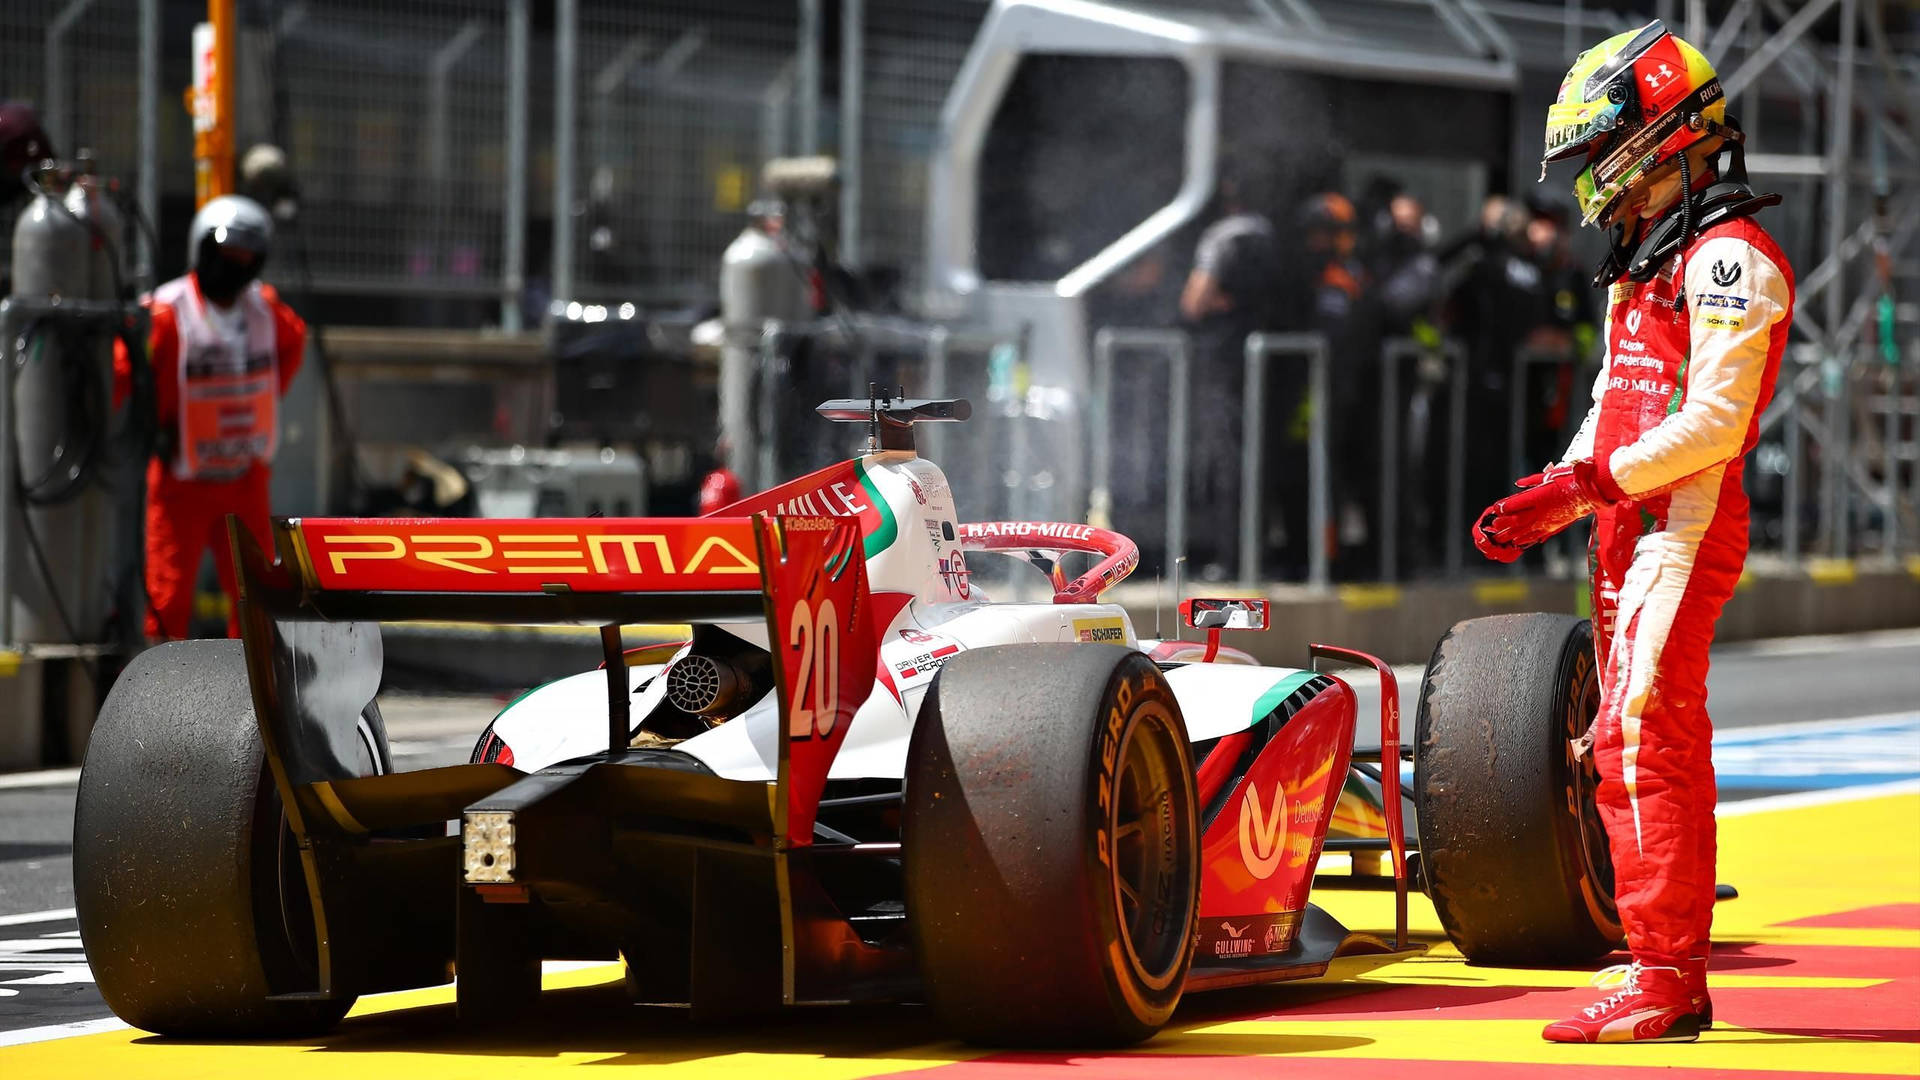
(224, 348)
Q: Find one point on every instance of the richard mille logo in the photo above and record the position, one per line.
(1262, 831)
(1724, 274)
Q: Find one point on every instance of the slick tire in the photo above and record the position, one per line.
(1512, 847)
(191, 900)
(1048, 787)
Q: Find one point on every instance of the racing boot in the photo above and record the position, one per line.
(1652, 1005)
(1694, 973)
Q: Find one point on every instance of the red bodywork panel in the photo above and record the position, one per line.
(822, 632)
(1258, 856)
(509, 555)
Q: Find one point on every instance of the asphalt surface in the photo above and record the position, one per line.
(1769, 701)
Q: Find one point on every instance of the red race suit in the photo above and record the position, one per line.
(1676, 408)
(217, 405)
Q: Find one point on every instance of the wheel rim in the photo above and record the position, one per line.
(1595, 856)
(1152, 846)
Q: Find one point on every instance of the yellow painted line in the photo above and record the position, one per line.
(1519, 1042)
(1745, 580)
(1501, 593)
(1831, 571)
(9, 660)
(1369, 597)
(1913, 567)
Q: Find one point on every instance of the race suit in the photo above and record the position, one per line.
(218, 414)
(1676, 408)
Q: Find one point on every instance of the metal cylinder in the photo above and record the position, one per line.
(66, 248)
(759, 283)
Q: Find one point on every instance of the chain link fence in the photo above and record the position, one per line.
(77, 62)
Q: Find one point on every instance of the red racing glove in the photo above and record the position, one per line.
(1547, 503)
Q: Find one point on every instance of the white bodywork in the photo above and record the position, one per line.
(943, 615)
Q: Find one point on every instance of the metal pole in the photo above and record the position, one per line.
(1252, 457)
(566, 18)
(1456, 459)
(767, 438)
(7, 509)
(1516, 419)
(1890, 462)
(938, 343)
(513, 257)
(148, 193)
(1840, 123)
(439, 135)
(58, 107)
(1696, 21)
(1178, 366)
(1318, 497)
(1390, 463)
(1100, 431)
(853, 31)
(1790, 499)
(809, 50)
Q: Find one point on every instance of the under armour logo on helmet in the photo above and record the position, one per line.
(1725, 275)
(1656, 78)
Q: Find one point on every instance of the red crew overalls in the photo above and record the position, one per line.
(1676, 408)
(222, 408)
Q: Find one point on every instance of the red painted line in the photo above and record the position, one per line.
(1882, 917)
(1148, 1066)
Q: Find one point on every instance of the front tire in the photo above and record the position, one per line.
(1512, 847)
(191, 900)
(1051, 846)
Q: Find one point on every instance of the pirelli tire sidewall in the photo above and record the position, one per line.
(188, 890)
(1009, 848)
(1512, 850)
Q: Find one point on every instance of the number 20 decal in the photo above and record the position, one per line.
(815, 705)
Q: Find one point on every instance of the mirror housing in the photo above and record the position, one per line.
(1226, 613)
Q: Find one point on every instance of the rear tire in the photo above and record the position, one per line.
(191, 900)
(1051, 846)
(1514, 853)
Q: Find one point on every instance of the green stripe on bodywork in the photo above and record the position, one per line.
(1278, 693)
(881, 538)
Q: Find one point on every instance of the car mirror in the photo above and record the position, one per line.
(1234, 613)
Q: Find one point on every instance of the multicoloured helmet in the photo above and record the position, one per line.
(1631, 104)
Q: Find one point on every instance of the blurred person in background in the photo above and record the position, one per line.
(1498, 298)
(1321, 292)
(23, 144)
(1231, 292)
(224, 349)
(1700, 301)
(1566, 329)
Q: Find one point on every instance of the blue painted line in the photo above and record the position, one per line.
(1817, 754)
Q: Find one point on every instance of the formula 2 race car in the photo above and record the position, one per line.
(858, 780)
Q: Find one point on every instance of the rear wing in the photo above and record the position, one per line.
(309, 618)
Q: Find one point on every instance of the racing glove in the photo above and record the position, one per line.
(1547, 503)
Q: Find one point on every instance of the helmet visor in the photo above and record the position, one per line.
(1573, 129)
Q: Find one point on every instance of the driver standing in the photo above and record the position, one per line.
(1699, 302)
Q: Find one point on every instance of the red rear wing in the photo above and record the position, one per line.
(805, 576)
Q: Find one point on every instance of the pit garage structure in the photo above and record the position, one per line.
(1214, 54)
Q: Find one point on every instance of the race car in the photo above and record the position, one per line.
(860, 778)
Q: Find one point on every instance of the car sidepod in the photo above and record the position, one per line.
(1271, 748)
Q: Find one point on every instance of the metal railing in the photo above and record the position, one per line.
(1178, 350)
(1313, 350)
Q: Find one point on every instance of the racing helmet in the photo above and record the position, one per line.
(1631, 104)
(227, 244)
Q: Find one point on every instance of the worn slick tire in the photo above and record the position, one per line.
(1038, 778)
(1513, 851)
(181, 859)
